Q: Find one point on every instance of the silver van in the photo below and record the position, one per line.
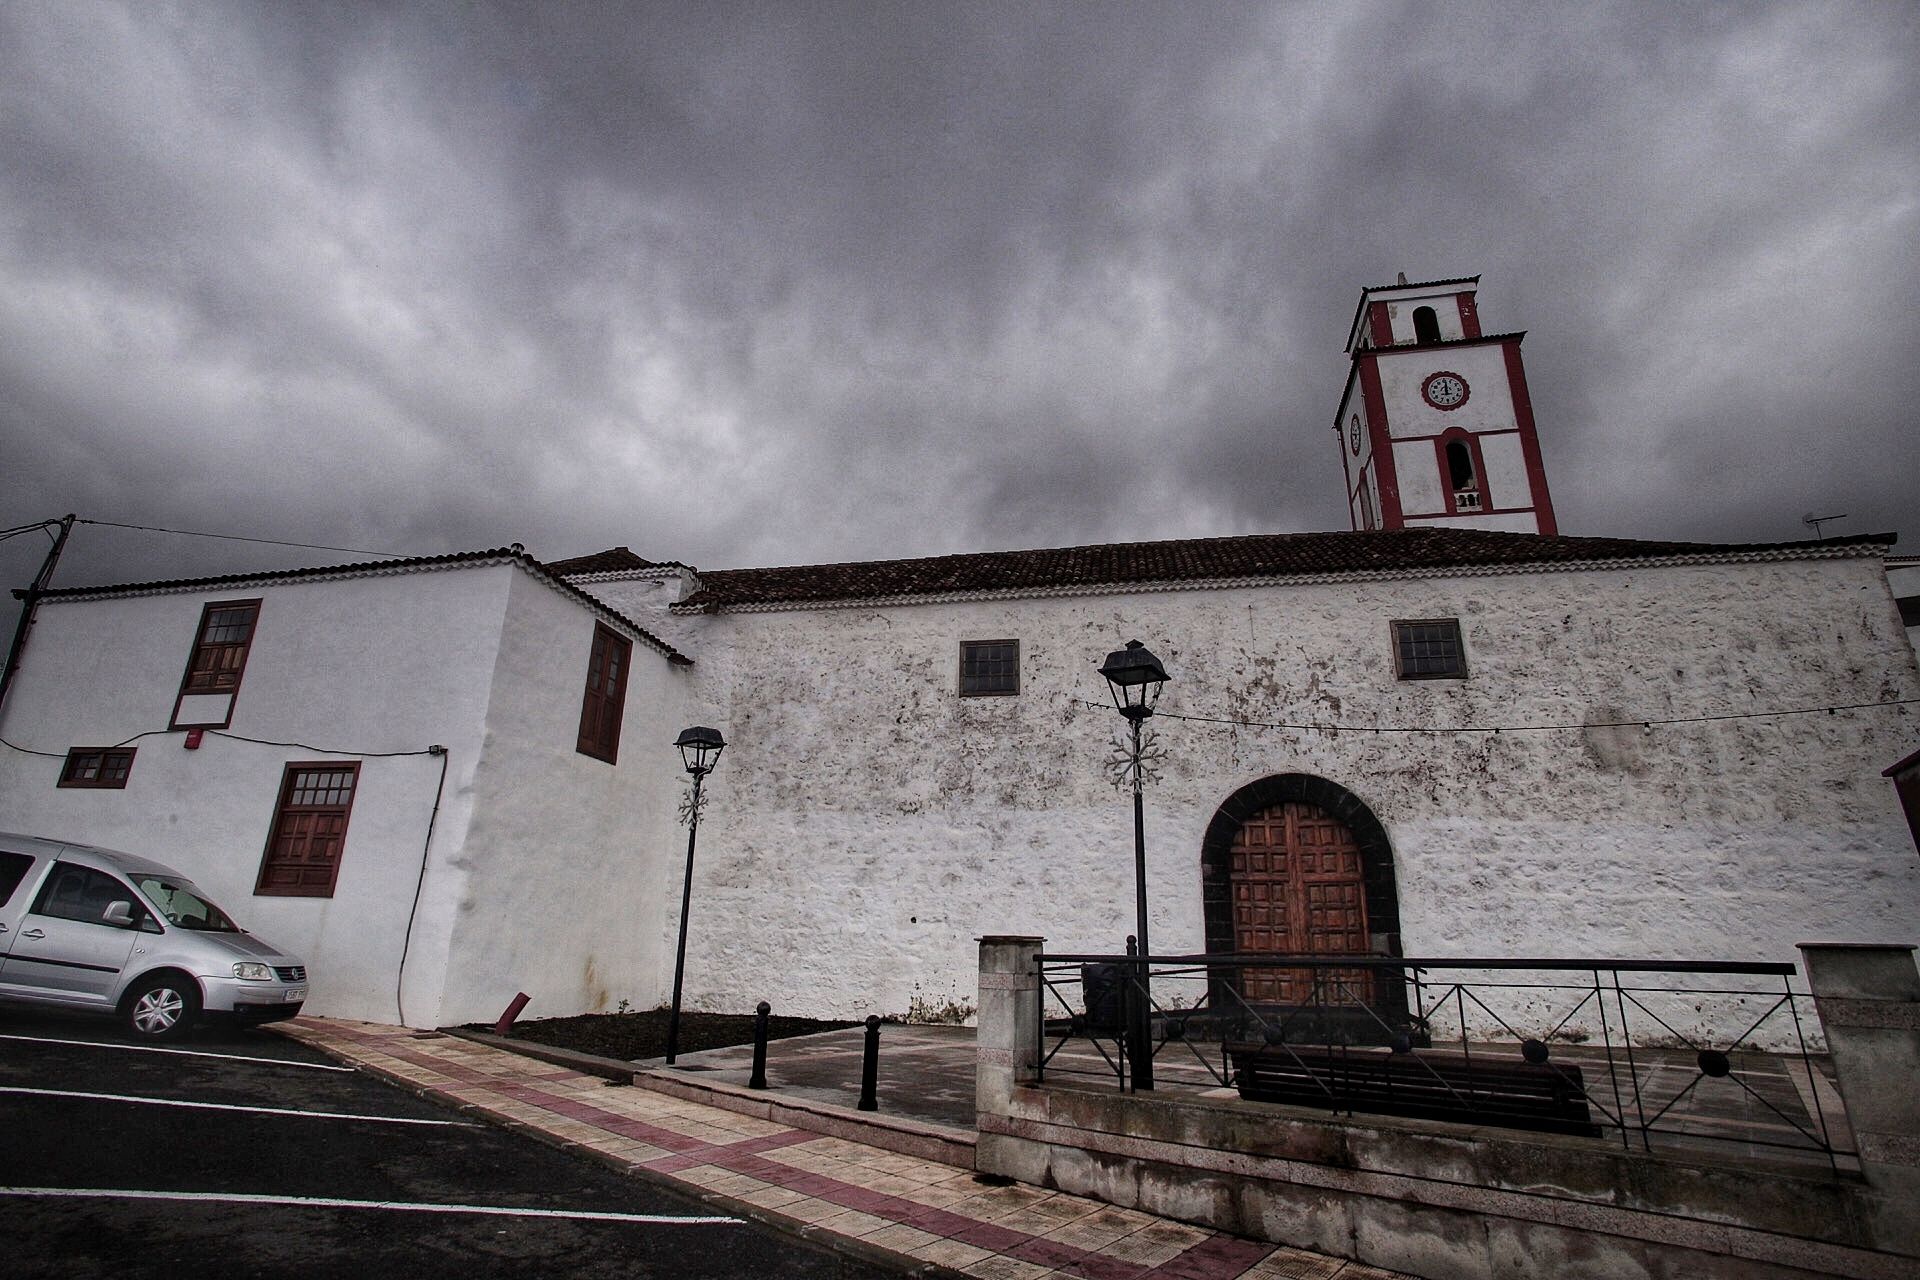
(87, 928)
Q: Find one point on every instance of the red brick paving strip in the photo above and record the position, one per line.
(1217, 1257)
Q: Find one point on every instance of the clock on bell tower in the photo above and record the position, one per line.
(1436, 427)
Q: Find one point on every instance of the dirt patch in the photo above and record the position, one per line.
(644, 1035)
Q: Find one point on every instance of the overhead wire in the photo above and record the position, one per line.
(234, 537)
(1637, 722)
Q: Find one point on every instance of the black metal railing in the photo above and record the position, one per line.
(1663, 1054)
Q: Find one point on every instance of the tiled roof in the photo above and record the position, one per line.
(1395, 552)
(378, 568)
(612, 560)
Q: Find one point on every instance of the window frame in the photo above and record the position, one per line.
(1400, 658)
(960, 679)
(283, 806)
(595, 739)
(193, 653)
(43, 898)
(100, 780)
(1471, 442)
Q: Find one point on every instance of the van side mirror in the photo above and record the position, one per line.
(120, 913)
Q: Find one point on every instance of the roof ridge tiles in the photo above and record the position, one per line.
(1224, 558)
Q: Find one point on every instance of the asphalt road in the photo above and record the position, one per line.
(285, 1165)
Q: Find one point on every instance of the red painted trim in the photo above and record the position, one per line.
(1346, 462)
(1472, 442)
(1478, 435)
(1529, 439)
(1390, 517)
(1382, 326)
(1468, 515)
(1469, 317)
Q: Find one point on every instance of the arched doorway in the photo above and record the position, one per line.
(1297, 865)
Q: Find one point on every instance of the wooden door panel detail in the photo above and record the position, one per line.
(1298, 888)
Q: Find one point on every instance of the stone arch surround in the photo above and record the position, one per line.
(1376, 854)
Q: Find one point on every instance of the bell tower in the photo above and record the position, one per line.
(1435, 426)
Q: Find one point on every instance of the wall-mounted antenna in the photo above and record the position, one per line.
(1816, 521)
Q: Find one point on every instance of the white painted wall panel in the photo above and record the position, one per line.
(564, 865)
(1489, 403)
(357, 666)
(1505, 482)
(1416, 467)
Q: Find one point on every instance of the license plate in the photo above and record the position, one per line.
(296, 993)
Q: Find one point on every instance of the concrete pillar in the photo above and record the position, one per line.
(1868, 998)
(1009, 1019)
(1008, 1047)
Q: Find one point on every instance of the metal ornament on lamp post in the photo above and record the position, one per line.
(700, 749)
(1135, 678)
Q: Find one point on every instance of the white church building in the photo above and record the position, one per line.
(446, 780)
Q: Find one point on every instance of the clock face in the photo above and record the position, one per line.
(1353, 434)
(1445, 390)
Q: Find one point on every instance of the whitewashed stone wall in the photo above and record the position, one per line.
(867, 823)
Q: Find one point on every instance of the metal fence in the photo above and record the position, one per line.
(1668, 1055)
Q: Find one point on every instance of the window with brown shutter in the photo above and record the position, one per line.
(220, 650)
(100, 767)
(309, 830)
(606, 695)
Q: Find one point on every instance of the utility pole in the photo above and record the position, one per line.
(30, 598)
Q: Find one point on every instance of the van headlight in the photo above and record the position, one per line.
(253, 972)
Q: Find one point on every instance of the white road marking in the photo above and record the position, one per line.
(400, 1206)
(189, 1053)
(229, 1106)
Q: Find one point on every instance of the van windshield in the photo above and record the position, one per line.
(179, 903)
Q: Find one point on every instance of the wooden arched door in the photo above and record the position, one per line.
(1297, 888)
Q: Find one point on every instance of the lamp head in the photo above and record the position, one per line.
(700, 749)
(1135, 678)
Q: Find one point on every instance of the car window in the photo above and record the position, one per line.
(13, 869)
(80, 893)
(183, 905)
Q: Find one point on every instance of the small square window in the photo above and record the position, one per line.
(989, 668)
(1429, 650)
(98, 767)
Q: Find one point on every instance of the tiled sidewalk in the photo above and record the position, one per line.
(914, 1212)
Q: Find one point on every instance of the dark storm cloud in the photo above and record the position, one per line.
(752, 284)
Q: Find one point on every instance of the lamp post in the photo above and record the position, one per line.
(1135, 678)
(700, 749)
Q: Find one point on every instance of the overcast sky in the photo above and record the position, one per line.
(748, 285)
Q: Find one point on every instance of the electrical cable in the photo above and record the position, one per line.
(1646, 722)
(234, 537)
(406, 943)
(29, 751)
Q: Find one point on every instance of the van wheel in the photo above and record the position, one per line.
(163, 1007)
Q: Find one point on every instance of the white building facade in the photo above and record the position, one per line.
(387, 781)
(1687, 763)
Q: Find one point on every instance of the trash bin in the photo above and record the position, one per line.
(1104, 987)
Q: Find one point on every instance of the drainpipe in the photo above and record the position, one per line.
(30, 600)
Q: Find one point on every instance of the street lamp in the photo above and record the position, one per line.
(700, 749)
(1135, 678)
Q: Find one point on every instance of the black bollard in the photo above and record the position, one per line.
(759, 1078)
(870, 1067)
